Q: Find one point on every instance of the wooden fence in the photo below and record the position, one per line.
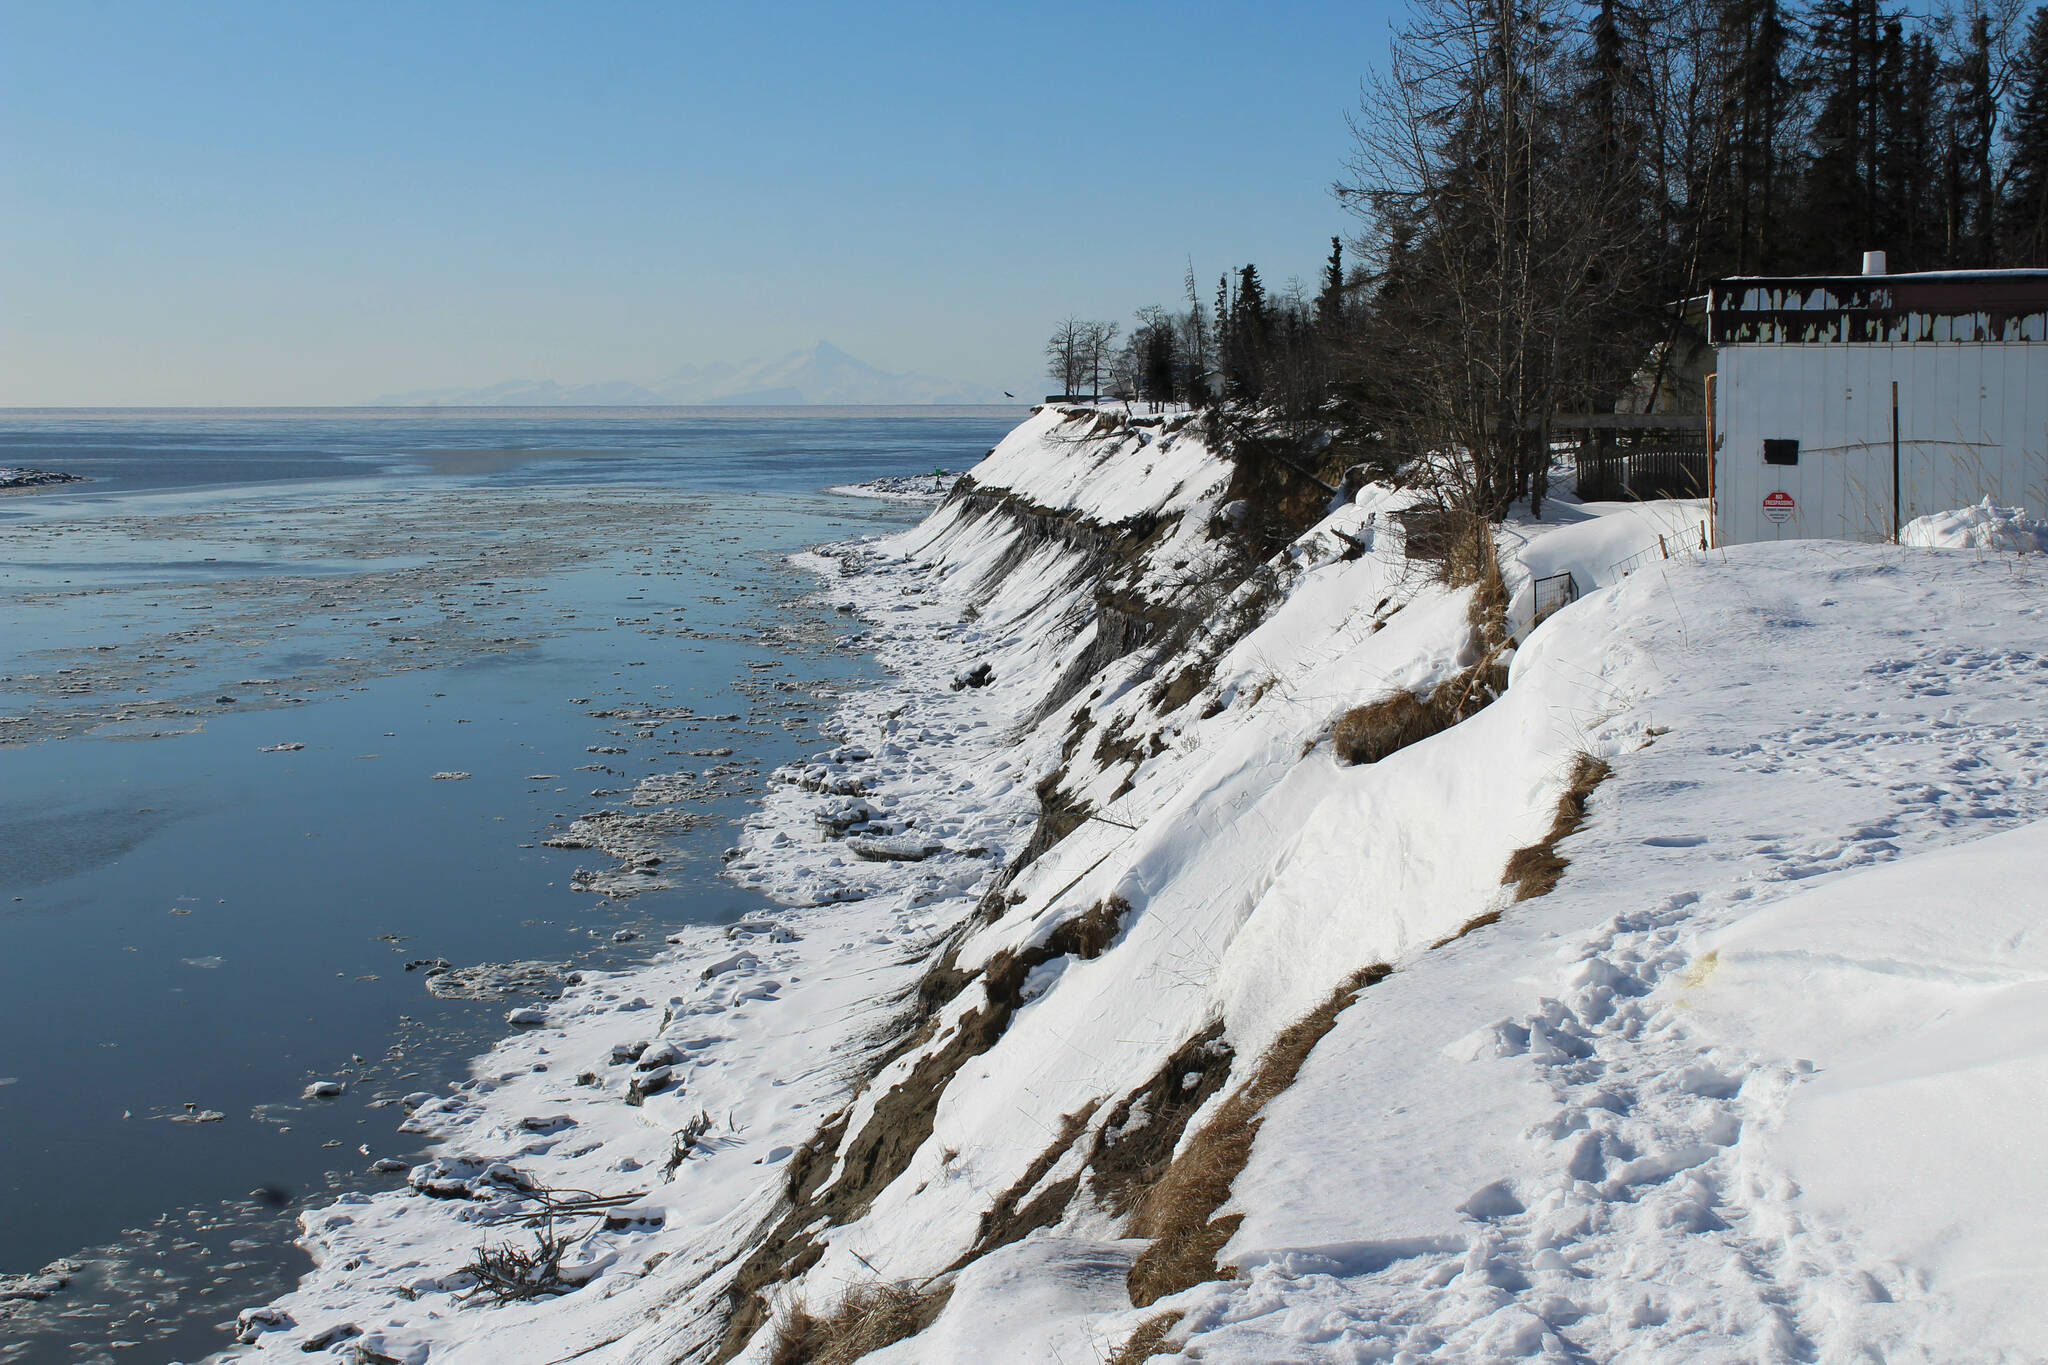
(1639, 465)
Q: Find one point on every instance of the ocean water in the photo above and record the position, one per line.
(736, 449)
(290, 706)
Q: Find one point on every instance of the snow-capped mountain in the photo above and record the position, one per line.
(821, 374)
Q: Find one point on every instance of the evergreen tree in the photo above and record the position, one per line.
(1250, 338)
(1155, 356)
(1756, 106)
(1920, 153)
(1330, 302)
(1226, 341)
(1841, 180)
(2024, 238)
(1606, 132)
(1973, 119)
(1893, 167)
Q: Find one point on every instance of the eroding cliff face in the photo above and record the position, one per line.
(1090, 998)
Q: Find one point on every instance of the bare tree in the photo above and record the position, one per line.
(1100, 337)
(1494, 234)
(1066, 354)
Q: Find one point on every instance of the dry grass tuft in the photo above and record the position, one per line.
(1136, 1145)
(1177, 1213)
(1368, 733)
(1459, 542)
(1011, 1217)
(1184, 1256)
(1148, 1341)
(1488, 610)
(867, 1318)
(1534, 871)
(1089, 934)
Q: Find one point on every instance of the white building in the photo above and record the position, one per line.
(1807, 373)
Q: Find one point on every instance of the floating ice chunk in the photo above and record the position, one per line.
(252, 1323)
(465, 1177)
(546, 1123)
(892, 850)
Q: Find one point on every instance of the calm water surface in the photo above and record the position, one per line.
(195, 920)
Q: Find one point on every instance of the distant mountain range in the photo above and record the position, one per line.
(818, 375)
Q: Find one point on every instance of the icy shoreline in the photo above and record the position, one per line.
(932, 487)
(686, 1065)
(167, 1276)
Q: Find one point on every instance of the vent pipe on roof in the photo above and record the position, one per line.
(1873, 263)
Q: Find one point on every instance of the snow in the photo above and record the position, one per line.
(1982, 527)
(1755, 1081)
(1765, 734)
(931, 487)
(1599, 544)
(1913, 999)
(1144, 466)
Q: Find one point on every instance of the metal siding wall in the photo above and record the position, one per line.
(1733, 479)
(1926, 474)
(1820, 487)
(2025, 473)
(2029, 433)
(2009, 402)
(1861, 505)
(1781, 414)
(1973, 422)
(1923, 390)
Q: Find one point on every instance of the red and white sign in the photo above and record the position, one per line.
(1778, 507)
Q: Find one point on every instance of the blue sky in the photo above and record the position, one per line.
(318, 203)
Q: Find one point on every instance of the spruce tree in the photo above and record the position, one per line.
(1973, 123)
(1841, 183)
(2024, 240)
(1920, 154)
(1226, 324)
(1742, 226)
(1330, 302)
(1250, 337)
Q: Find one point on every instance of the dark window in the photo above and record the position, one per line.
(1781, 452)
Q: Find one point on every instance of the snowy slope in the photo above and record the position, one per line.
(1603, 1123)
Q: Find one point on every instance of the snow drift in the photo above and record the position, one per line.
(1114, 1012)
(1982, 527)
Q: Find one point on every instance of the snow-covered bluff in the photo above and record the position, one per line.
(1755, 1080)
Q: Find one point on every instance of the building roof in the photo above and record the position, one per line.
(1931, 306)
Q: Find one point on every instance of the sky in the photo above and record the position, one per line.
(319, 203)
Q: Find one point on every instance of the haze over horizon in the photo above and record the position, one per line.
(818, 375)
(244, 205)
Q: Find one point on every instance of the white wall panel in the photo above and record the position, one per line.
(1973, 422)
